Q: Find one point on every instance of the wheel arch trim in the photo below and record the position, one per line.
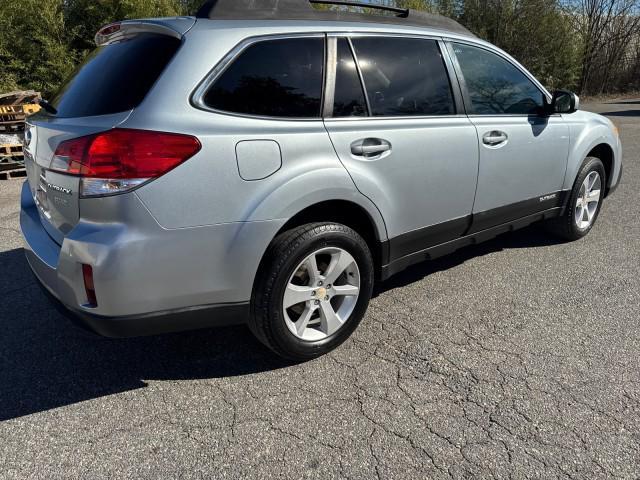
(305, 190)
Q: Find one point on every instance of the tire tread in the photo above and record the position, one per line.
(283, 247)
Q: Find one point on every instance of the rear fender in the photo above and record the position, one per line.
(300, 191)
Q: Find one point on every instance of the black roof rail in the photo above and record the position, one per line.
(400, 12)
(303, 10)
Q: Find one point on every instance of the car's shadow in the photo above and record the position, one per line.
(624, 102)
(47, 362)
(529, 237)
(622, 113)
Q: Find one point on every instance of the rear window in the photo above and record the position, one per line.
(115, 78)
(404, 76)
(273, 78)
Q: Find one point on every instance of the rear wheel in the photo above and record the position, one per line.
(312, 291)
(584, 202)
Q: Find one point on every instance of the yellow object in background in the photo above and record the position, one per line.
(31, 108)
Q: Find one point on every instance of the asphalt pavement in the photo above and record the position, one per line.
(518, 358)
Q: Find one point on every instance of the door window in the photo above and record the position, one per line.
(274, 78)
(495, 85)
(349, 99)
(404, 76)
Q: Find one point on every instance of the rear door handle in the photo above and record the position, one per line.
(494, 138)
(370, 147)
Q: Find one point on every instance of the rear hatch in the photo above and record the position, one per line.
(101, 94)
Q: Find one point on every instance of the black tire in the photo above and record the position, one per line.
(284, 255)
(565, 225)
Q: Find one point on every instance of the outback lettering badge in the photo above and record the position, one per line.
(548, 197)
(58, 188)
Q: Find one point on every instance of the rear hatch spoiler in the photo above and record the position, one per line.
(115, 32)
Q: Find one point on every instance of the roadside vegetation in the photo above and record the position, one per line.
(589, 46)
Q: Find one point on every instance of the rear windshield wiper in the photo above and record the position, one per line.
(47, 106)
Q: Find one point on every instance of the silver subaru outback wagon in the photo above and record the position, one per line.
(265, 163)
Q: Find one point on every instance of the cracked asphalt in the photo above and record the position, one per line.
(518, 358)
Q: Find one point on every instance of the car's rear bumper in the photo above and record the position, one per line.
(180, 319)
(192, 318)
(132, 301)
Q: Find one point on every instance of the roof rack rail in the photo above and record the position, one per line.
(400, 12)
(302, 10)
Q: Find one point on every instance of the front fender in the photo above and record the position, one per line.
(587, 131)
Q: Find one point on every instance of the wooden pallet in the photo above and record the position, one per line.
(11, 110)
(11, 161)
(14, 109)
(19, 98)
(12, 126)
(12, 117)
(11, 150)
(12, 168)
(17, 173)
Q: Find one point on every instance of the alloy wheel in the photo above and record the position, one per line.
(588, 200)
(321, 294)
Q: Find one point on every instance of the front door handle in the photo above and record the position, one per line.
(370, 147)
(494, 138)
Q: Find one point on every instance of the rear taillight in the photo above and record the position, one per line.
(119, 160)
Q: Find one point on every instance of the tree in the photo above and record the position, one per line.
(41, 41)
(606, 29)
(33, 45)
(592, 45)
(189, 7)
(415, 4)
(536, 32)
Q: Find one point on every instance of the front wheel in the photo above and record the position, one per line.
(312, 290)
(585, 201)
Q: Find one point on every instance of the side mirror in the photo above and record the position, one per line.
(564, 101)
